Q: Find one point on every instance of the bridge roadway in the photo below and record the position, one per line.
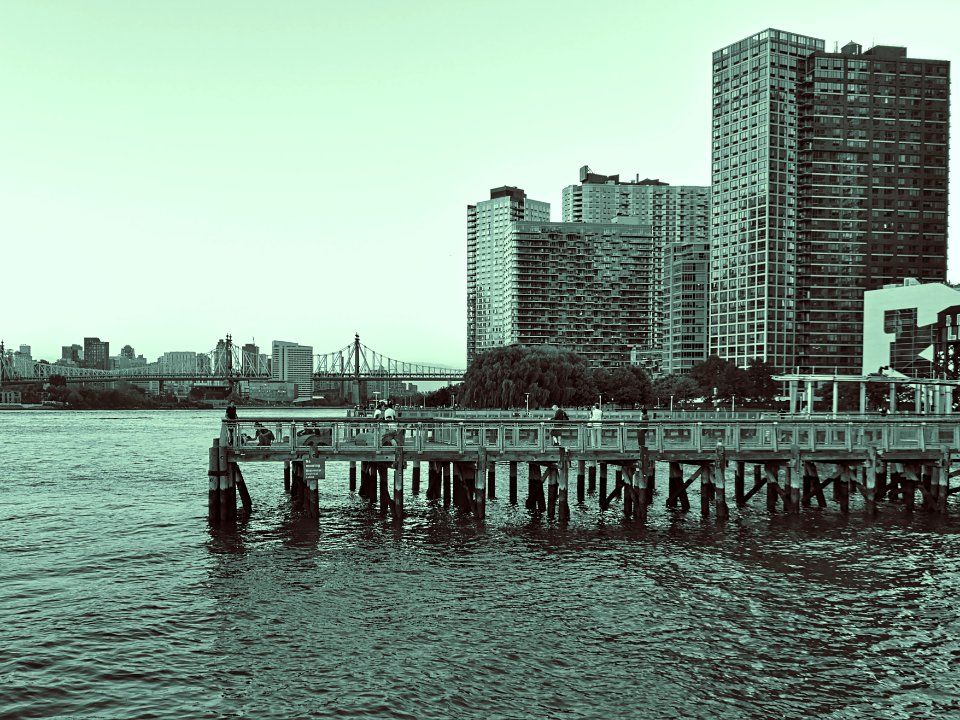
(877, 457)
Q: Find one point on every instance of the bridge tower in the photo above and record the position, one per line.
(228, 359)
(357, 397)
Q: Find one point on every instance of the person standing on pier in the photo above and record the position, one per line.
(560, 416)
(596, 415)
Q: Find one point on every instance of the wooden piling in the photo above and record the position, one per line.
(592, 478)
(581, 481)
(296, 482)
(553, 480)
(445, 471)
(943, 468)
(841, 489)
(563, 506)
(535, 499)
(353, 475)
(870, 485)
(720, 483)
(603, 482)
(771, 471)
(625, 482)
(795, 479)
(739, 483)
(415, 478)
(434, 480)
(213, 478)
(513, 483)
(286, 476)
(241, 486)
(381, 470)
(480, 489)
(228, 491)
(398, 485)
(706, 476)
(618, 484)
(491, 492)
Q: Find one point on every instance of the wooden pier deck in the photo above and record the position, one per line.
(881, 458)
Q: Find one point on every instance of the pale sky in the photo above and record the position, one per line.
(173, 171)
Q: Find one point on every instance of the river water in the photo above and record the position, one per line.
(119, 600)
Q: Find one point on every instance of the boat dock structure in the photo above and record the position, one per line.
(795, 460)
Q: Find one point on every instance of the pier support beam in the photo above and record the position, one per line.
(286, 476)
(445, 470)
(581, 481)
(513, 483)
(353, 475)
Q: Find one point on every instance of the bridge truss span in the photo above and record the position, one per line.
(356, 361)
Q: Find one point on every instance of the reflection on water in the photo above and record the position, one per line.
(121, 601)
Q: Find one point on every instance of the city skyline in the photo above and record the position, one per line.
(175, 173)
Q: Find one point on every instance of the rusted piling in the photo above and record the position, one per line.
(353, 475)
(592, 478)
(771, 471)
(415, 478)
(513, 483)
(581, 480)
(603, 482)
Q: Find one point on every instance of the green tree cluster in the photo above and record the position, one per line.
(503, 377)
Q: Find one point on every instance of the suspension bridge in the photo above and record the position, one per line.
(228, 364)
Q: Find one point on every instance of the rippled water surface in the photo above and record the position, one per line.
(119, 600)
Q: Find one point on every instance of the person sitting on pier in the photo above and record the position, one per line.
(264, 435)
(393, 435)
(378, 413)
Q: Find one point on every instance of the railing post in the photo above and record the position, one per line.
(699, 442)
(849, 436)
(622, 438)
(923, 436)
(460, 437)
(776, 436)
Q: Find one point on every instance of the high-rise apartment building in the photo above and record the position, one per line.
(829, 178)
(872, 188)
(674, 213)
(585, 287)
(294, 363)
(686, 276)
(96, 353)
(492, 264)
(754, 196)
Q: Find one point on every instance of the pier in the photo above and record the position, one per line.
(794, 460)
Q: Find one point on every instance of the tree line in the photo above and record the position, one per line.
(509, 377)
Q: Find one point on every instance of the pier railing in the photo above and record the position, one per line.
(346, 436)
